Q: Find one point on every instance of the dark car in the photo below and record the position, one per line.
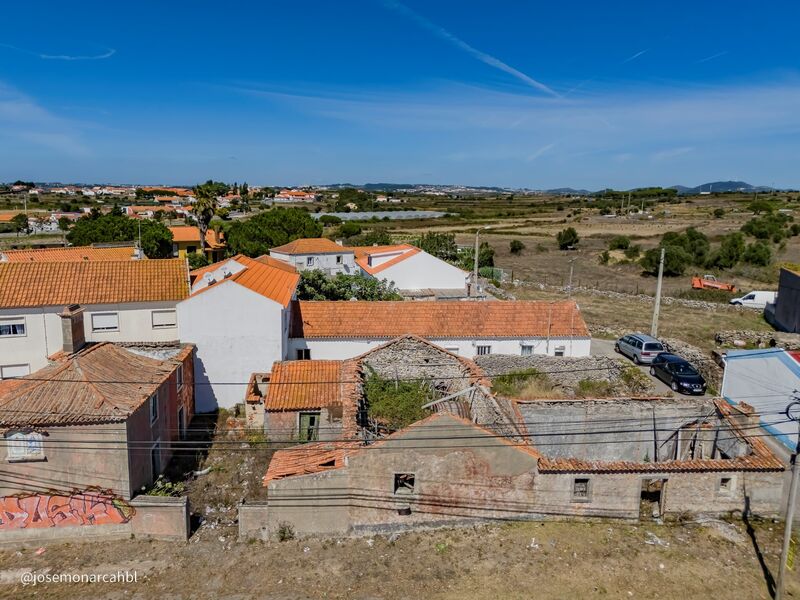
(678, 373)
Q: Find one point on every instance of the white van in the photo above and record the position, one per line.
(755, 299)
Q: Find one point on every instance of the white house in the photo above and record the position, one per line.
(340, 330)
(767, 380)
(410, 268)
(123, 301)
(238, 318)
(317, 253)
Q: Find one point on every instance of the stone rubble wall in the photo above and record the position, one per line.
(758, 339)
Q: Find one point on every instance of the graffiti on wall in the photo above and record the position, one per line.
(93, 506)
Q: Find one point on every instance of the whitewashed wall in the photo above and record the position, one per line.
(43, 330)
(338, 349)
(236, 332)
(323, 262)
(423, 271)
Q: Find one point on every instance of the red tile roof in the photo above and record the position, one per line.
(315, 457)
(189, 233)
(306, 384)
(92, 282)
(311, 246)
(442, 319)
(266, 276)
(78, 253)
(93, 392)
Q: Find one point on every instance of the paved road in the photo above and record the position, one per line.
(606, 348)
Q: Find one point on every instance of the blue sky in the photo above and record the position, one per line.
(511, 93)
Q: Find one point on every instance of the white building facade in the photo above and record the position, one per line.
(317, 254)
(410, 268)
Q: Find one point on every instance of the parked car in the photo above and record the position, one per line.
(678, 373)
(639, 347)
(758, 299)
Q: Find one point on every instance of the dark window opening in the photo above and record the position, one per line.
(303, 354)
(725, 485)
(404, 483)
(581, 490)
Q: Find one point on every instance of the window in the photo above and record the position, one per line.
(181, 423)
(309, 426)
(581, 490)
(164, 319)
(303, 354)
(179, 376)
(559, 351)
(309, 261)
(154, 408)
(526, 350)
(339, 259)
(404, 483)
(453, 349)
(191, 249)
(484, 350)
(105, 322)
(725, 485)
(155, 459)
(24, 446)
(8, 371)
(12, 327)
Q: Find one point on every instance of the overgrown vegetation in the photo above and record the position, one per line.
(525, 384)
(396, 404)
(316, 285)
(164, 487)
(594, 388)
(567, 238)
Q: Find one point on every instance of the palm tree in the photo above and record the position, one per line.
(204, 209)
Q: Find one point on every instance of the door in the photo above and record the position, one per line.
(309, 426)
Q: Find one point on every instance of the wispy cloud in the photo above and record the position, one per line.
(456, 41)
(107, 54)
(712, 57)
(539, 152)
(635, 56)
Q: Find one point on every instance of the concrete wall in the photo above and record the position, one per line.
(43, 335)
(700, 493)
(323, 262)
(161, 517)
(76, 458)
(237, 332)
(341, 348)
(787, 310)
(764, 379)
(423, 271)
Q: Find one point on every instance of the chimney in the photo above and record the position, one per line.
(138, 253)
(340, 242)
(72, 328)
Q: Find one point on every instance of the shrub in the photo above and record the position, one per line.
(395, 404)
(440, 245)
(757, 253)
(633, 252)
(760, 206)
(329, 220)
(164, 487)
(719, 213)
(620, 242)
(567, 238)
(604, 257)
(676, 259)
(525, 384)
(515, 246)
(285, 532)
(594, 388)
(635, 380)
(729, 253)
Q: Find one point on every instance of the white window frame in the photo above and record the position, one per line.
(524, 347)
(11, 322)
(309, 261)
(3, 375)
(560, 351)
(339, 259)
(96, 329)
(479, 347)
(153, 407)
(452, 349)
(171, 325)
(23, 447)
(588, 496)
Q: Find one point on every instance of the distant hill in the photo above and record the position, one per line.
(721, 186)
(567, 191)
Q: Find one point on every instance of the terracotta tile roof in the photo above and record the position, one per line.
(311, 246)
(441, 319)
(92, 282)
(76, 253)
(315, 457)
(189, 233)
(306, 384)
(266, 276)
(364, 253)
(7, 217)
(761, 458)
(93, 394)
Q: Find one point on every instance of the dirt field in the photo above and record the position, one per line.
(522, 560)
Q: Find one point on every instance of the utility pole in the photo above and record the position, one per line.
(657, 307)
(793, 413)
(475, 266)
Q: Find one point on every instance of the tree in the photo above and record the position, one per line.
(197, 261)
(20, 223)
(729, 253)
(115, 227)
(329, 220)
(244, 190)
(64, 223)
(440, 245)
(676, 259)
(515, 246)
(206, 206)
(757, 253)
(620, 242)
(760, 206)
(274, 227)
(348, 229)
(315, 285)
(567, 238)
(485, 257)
